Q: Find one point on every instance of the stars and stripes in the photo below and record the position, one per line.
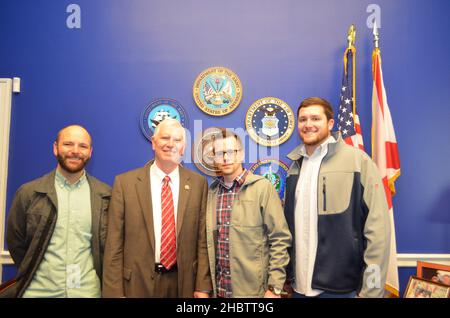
(348, 121)
(207, 90)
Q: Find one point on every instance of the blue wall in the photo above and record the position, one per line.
(129, 52)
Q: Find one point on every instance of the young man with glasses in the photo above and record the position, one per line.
(247, 233)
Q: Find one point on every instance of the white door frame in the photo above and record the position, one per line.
(5, 120)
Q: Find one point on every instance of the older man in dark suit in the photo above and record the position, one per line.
(156, 242)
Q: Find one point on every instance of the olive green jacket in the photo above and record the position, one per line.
(259, 238)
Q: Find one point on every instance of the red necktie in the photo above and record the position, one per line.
(168, 231)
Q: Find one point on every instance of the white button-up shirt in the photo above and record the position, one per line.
(156, 182)
(306, 218)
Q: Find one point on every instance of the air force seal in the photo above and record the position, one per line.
(158, 110)
(275, 171)
(270, 121)
(217, 91)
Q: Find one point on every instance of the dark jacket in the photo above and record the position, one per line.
(32, 220)
(353, 221)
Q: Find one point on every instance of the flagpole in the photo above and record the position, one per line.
(351, 39)
(376, 35)
(376, 39)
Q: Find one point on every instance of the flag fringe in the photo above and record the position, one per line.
(394, 293)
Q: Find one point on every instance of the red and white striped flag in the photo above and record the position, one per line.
(385, 154)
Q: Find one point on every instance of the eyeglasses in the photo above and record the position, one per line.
(229, 153)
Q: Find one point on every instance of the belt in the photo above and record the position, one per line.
(160, 269)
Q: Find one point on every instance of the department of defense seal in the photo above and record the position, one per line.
(217, 91)
(270, 121)
(275, 171)
(158, 110)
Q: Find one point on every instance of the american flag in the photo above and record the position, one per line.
(207, 90)
(348, 120)
(385, 154)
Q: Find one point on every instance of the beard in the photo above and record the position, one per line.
(74, 169)
(318, 139)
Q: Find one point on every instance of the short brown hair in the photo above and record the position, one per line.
(222, 133)
(310, 101)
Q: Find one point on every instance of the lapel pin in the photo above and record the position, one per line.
(186, 187)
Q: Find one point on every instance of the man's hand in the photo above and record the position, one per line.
(269, 294)
(198, 294)
(289, 291)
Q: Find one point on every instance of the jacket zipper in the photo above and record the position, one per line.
(324, 194)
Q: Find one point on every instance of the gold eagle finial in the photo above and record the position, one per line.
(351, 36)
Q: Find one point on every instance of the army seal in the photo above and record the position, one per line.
(217, 91)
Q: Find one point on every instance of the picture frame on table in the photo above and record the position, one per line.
(438, 273)
(422, 288)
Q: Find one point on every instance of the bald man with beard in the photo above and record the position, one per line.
(57, 225)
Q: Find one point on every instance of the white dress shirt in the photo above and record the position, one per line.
(306, 218)
(156, 182)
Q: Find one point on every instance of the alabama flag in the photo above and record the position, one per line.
(385, 155)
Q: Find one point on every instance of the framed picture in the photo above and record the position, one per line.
(435, 272)
(421, 288)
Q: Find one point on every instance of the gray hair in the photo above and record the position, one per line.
(170, 122)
